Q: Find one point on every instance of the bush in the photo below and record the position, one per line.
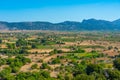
(10, 46)
(34, 46)
(17, 62)
(84, 77)
(5, 74)
(46, 74)
(55, 61)
(34, 66)
(116, 63)
(114, 74)
(93, 68)
(2, 62)
(1, 41)
(21, 42)
(15, 69)
(44, 66)
(79, 51)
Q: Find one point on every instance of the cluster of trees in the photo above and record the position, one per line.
(21, 43)
(55, 51)
(13, 51)
(97, 72)
(20, 47)
(72, 71)
(15, 63)
(41, 75)
(72, 67)
(75, 49)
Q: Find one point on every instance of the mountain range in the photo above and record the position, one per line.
(90, 25)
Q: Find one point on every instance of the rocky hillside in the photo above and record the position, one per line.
(90, 24)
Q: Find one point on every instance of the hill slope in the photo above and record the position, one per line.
(90, 24)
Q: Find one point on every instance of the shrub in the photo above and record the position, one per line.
(44, 66)
(116, 63)
(93, 68)
(34, 66)
(55, 61)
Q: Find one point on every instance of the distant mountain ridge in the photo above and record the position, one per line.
(90, 24)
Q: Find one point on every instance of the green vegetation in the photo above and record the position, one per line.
(55, 61)
(17, 63)
(1, 41)
(45, 66)
(116, 63)
(34, 66)
(47, 55)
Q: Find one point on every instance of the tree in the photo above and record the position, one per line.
(44, 66)
(55, 61)
(116, 63)
(23, 51)
(114, 74)
(79, 51)
(15, 69)
(2, 62)
(78, 69)
(68, 77)
(17, 62)
(10, 46)
(21, 42)
(46, 74)
(5, 74)
(110, 47)
(55, 51)
(1, 41)
(98, 76)
(43, 41)
(93, 68)
(34, 46)
(34, 66)
(84, 77)
(42, 75)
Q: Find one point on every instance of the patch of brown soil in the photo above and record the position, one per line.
(111, 53)
(40, 50)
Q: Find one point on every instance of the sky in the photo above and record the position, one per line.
(58, 10)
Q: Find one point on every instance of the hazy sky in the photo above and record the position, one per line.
(58, 10)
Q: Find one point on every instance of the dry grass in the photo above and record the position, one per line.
(111, 53)
(40, 50)
(3, 46)
(3, 66)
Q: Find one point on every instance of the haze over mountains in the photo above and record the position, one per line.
(90, 25)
